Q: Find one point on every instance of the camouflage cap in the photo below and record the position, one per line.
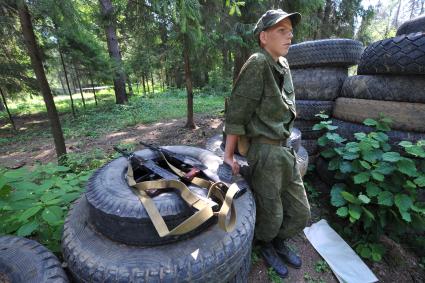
(272, 17)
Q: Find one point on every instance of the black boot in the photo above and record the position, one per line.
(286, 254)
(273, 260)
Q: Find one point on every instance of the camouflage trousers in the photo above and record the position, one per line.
(282, 205)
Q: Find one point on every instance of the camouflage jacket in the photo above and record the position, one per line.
(263, 99)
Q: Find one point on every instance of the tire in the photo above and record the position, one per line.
(405, 116)
(326, 52)
(207, 257)
(404, 54)
(311, 146)
(213, 144)
(24, 260)
(307, 109)
(322, 83)
(347, 130)
(326, 175)
(306, 128)
(389, 88)
(117, 213)
(414, 25)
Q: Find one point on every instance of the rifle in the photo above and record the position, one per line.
(191, 166)
(188, 164)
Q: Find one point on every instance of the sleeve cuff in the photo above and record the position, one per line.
(234, 129)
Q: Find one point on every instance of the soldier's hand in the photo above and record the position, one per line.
(234, 164)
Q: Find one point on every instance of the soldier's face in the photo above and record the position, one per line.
(277, 39)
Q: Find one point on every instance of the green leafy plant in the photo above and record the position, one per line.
(34, 203)
(379, 187)
(273, 276)
(321, 266)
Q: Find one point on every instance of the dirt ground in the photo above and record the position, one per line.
(399, 266)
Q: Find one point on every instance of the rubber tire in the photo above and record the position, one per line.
(347, 130)
(404, 54)
(414, 25)
(311, 146)
(306, 128)
(24, 260)
(307, 109)
(384, 87)
(325, 52)
(406, 116)
(214, 145)
(326, 175)
(117, 213)
(321, 83)
(91, 257)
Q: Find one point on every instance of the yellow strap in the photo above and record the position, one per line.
(203, 205)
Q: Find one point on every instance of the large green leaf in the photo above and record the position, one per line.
(403, 201)
(372, 189)
(370, 122)
(385, 168)
(377, 176)
(345, 167)
(342, 211)
(371, 155)
(336, 197)
(350, 198)
(407, 167)
(16, 175)
(352, 147)
(391, 156)
(360, 136)
(27, 229)
(29, 212)
(363, 198)
(335, 137)
(328, 153)
(334, 164)
(385, 198)
(350, 155)
(405, 216)
(361, 178)
(420, 181)
(355, 211)
(368, 213)
(365, 164)
(52, 214)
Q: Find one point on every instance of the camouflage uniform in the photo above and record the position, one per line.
(263, 105)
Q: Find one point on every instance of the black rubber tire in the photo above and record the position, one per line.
(347, 130)
(405, 116)
(384, 87)
(24, 260)
(307, 109)
(117, 213)
(306, 128)
(325, 52)
(214, 145)
(411, 26)
(207, 257)
(404, 54)
(321, 83)
(311, 146)
(326, 175)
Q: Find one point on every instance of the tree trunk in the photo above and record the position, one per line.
(188, 78)
(79, 86)
(153, 88)
(67, 82)
(33, 51)
(114, 50)
(147, 83)
(130, 87)
(1, 106)
(395, 23)
(92, 85)
(144, 84)
(3, 103)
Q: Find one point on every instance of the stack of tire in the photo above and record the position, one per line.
(319, 69)
(109, 237)
(391, 82)
(215, 144)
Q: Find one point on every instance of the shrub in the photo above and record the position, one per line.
(34, 203)
(379, 187)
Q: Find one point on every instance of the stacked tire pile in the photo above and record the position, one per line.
(391, 82)
(319, 69)
(109, 237)
(216, 145)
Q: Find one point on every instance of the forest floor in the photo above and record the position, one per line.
(400, 265)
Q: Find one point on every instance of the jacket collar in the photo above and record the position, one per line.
(281, 66)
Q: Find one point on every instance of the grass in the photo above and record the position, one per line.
(107, 117)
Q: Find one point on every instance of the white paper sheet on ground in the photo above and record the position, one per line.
(344, 262)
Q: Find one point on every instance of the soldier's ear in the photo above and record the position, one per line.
(263, 38)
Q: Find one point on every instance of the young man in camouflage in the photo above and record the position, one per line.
(262, 107)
